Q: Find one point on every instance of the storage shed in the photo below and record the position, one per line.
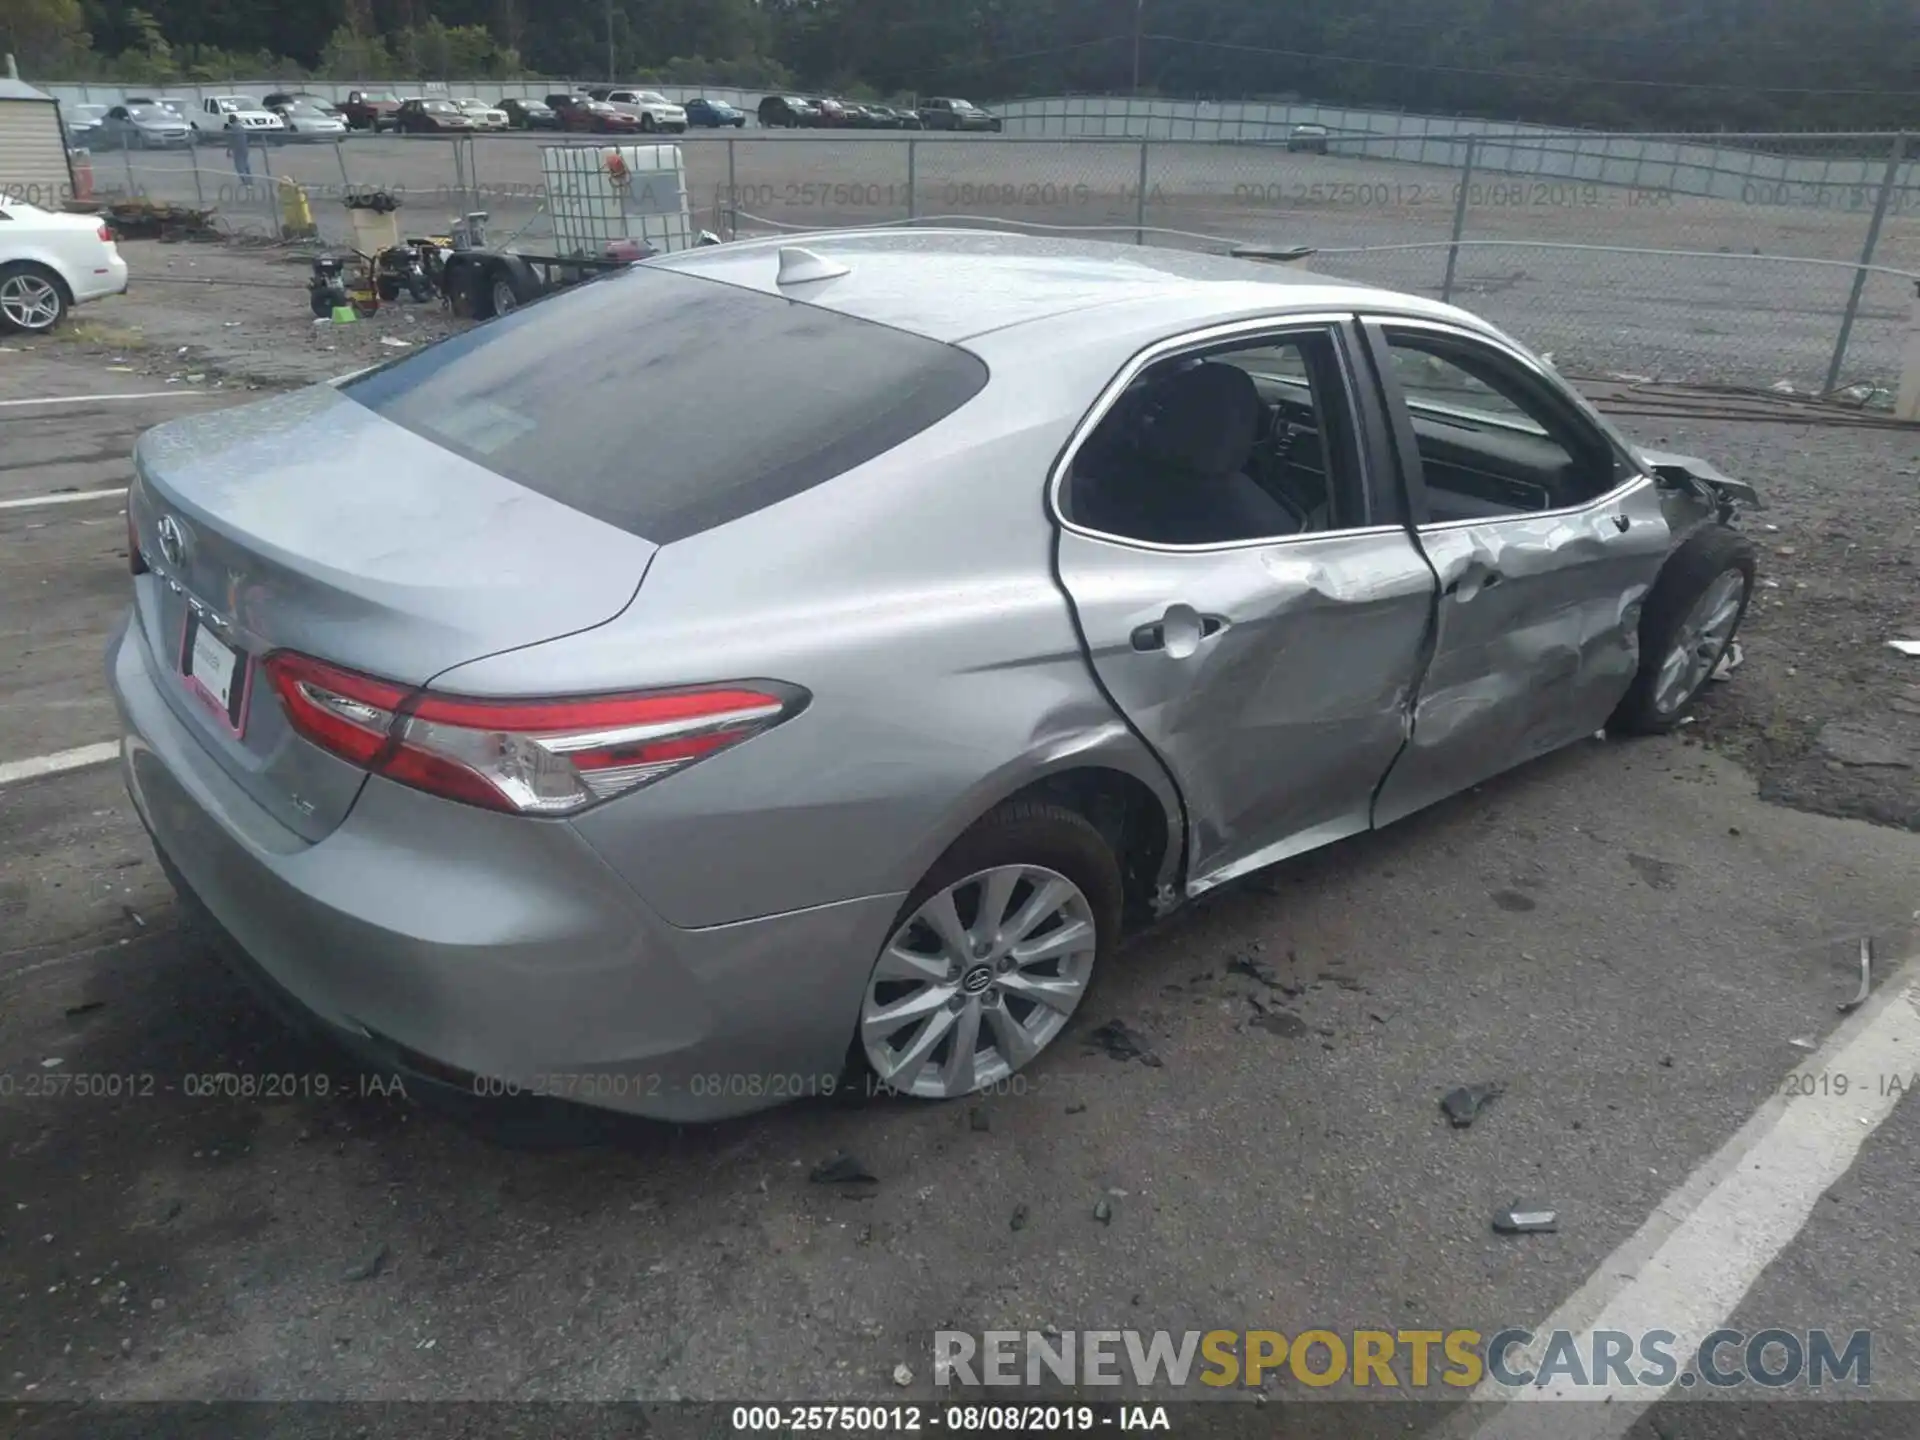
(33, 147)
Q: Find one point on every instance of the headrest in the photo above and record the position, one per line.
(1205, 419)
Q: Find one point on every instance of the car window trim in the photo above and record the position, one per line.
(1374, 325)
(1337, 325)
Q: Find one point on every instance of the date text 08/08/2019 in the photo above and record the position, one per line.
(951, 1419)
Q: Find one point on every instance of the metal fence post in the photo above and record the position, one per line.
(1887, 186)
(1140, 202)
(733, 195)
(193, 156)
(126, 157)
(913, 165)
(1459, 222)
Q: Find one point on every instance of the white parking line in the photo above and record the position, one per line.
(1689, 1266)
(118, 492)
(38, 765)
(94, 399)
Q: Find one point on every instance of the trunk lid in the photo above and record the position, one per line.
(307, 522)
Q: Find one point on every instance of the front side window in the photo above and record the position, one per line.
(1248, 441)
(1492, 439)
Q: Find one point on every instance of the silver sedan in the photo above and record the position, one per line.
(776, 663)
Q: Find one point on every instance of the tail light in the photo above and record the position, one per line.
(136, 561)
(527, 757)
(105, 232)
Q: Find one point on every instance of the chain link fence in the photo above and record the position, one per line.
(1732, 261)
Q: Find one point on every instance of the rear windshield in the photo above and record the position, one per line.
(666, 403)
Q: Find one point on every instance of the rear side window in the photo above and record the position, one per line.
(667, 404)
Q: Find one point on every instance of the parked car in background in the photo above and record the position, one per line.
(529, 114)
(678, 775)
(1311, 139)
(370, 110)
(653, 110)
(582, 113)
(894, 117)
(483, 115)
(833, 114)
(946, 113)
(420, 116)
(306, 120)
(83, 123)
(134, 126)
(703, 113)
(859, 116)
(788, 112)
(210, 120)
(50, 262)
(281, 99)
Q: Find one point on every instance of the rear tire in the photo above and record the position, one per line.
(1020, 853)
(32, 298)
(1687, 622)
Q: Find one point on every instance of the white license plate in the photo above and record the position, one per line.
(216, 670)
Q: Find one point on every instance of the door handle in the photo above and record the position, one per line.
(1179, 632)
(1471, 581)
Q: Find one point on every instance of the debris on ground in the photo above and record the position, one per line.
(842, 1170)
(369, 1267)
(1254, 970)
(1729, 662)
(902, 1375)
(1019, 1221)
(1077, 1107)
(1801, 1042)
(138, 219)
(1906, 647)
(85, 1007)
(1103, 1212)
(1519, 1219)
(1122, 1043)
(395, 341)
(1279, 1022)
(1464, 1103)
(977, 1118)
(1866, 979)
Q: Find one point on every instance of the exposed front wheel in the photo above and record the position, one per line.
(992, 953)
(1687, 624)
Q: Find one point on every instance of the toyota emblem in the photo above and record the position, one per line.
(173, 540)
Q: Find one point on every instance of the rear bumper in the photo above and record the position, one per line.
(494, 952)
(101, 281)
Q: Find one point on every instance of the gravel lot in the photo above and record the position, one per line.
(1716, 315)
(1639, 940)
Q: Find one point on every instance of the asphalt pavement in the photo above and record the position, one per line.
(1640, 953)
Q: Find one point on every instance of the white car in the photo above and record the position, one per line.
(656, 112)
(51, 262)
(83, 123)
(483, 115)
(210, 120)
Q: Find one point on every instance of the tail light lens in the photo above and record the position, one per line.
(105, 232)
(527, 757)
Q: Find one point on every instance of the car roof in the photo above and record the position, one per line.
(953, 285)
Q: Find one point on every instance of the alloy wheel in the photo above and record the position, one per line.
(978, 980)
(1702, 639)
(30, 301)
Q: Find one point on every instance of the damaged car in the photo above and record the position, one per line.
(528, 733)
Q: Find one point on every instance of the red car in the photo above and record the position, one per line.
(578, 112)
(369, 110)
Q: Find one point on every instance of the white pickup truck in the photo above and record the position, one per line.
(210, 120)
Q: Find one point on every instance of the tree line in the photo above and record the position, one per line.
(1615, 64)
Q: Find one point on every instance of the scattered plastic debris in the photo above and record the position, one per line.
(1783, 387)
(369, 1267)
(1906, 647)
(1519, 1219)
(52, 1062)
(1122, 1043)
(1464, 1103)
(902, 1375)
(1103, 1212)
(1801, 1042)
(842, 1170)
(1254, 970)
(1866, 978)
(395, 341)
(1729, 662)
